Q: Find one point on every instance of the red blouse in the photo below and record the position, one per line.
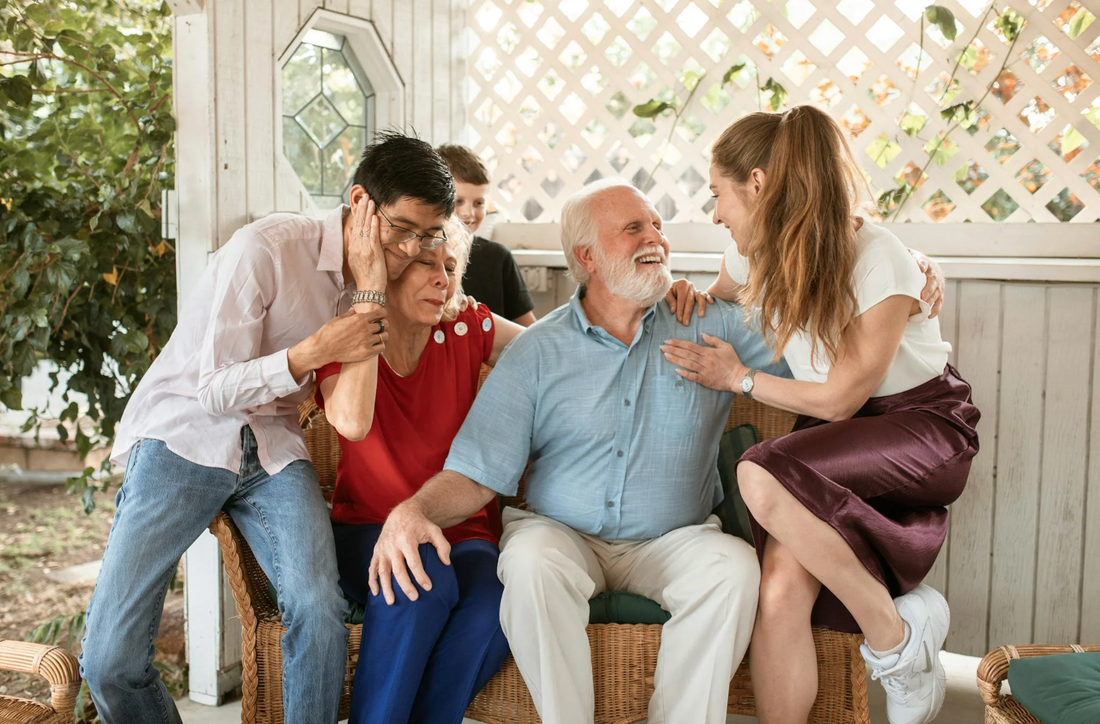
(415, 420)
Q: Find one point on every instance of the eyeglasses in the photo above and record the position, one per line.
(400, 235)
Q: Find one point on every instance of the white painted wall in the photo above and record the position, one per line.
(230, 170)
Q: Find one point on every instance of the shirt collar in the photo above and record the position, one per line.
(588, 328)
(331, 258)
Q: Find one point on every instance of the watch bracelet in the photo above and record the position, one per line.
(369, 297)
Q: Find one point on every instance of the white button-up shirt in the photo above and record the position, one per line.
(272, 285)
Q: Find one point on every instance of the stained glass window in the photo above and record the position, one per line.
(328, 115)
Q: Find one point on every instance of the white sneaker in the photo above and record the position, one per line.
(915, 680)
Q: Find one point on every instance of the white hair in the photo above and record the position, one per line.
(459, 241)
(579, 229)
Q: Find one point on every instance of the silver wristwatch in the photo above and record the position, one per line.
(747, 383)
(372, 297)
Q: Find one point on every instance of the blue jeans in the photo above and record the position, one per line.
(164, 503)
(424, 661)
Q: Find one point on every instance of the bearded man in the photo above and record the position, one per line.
(622, 476)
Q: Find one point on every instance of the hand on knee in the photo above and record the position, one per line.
(444, 586)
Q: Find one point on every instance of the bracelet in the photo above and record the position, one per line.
(372, 297)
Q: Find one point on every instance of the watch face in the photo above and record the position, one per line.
(746, 384)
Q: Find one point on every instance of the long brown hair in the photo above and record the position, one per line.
(801, 245)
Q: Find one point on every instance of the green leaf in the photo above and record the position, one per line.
(1077, 26)
(964, 113)
(72, 48)
(24, 359)
(940, 150)
(83, 447)
(912, 124)
(88, 500)
(35, 75)
(63, 433)
(36, 13)
(18, 90)
(943, 19)
(778, 94)
(12, 398)
(1071, 141)
(651, 108)
(70, 413)
(734, 70)
(40, 319)
(1010, 23)
(128, 223)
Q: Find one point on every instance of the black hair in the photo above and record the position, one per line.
(395, 166)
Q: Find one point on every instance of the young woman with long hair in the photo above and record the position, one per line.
(848, 510)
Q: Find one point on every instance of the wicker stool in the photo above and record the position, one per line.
(993, 671)
(624, 657)
(55, 665)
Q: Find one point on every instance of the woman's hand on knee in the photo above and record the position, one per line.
(397, 553)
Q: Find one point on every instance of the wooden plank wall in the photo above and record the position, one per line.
(1022, 560)
(251, 177)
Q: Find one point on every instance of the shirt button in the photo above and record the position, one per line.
(611, 504)
(626, 402)
(620, 453)
(679, 383)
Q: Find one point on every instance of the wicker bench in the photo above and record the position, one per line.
(1001, 708)
(624, 657)
(55, 665)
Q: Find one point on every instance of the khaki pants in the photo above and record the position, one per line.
(706, 579)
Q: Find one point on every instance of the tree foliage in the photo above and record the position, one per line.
(86, 130)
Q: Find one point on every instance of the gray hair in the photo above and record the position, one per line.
(579, 229)
(459, 241)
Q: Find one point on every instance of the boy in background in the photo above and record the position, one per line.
(492, 275)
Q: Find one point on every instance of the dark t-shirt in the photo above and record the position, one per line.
(493, 279)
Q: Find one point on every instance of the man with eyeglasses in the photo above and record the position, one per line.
(214, 425)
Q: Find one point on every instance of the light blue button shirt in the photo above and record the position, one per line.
(620, 446)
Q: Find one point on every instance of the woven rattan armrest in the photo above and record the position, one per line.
(993, 668)
(52, 663)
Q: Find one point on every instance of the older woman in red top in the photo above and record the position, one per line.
(426, 649)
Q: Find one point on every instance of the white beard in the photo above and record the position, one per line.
(622, 277)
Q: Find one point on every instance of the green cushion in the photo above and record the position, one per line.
(608, 607)
(623, 607)
(1058, 689)
(732, 510)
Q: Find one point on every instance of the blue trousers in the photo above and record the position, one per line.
(425, 660)
(164, 503)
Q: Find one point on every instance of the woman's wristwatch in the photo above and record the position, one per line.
(747, 383)
(372, 297)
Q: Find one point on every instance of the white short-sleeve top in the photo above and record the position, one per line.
(884, 268)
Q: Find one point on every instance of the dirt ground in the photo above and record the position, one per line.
(43, 529)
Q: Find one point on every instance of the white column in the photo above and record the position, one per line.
(213, 638)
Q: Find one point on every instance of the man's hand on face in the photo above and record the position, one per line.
(397, 553)
(365, 255)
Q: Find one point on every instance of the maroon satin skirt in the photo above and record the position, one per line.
(881, 479)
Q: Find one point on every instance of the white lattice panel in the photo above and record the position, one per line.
(551, 85)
